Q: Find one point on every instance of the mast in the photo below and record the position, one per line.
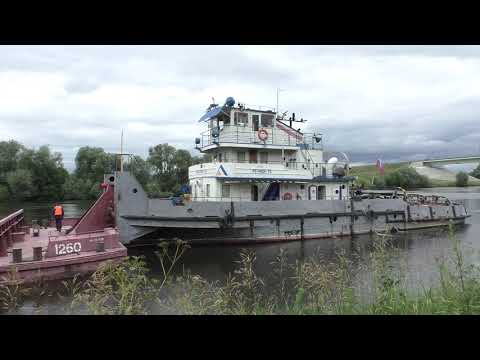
(121, 153)
(278, 91)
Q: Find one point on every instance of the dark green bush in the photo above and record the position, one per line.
(407, 178)
(462, 179)
(476, 172)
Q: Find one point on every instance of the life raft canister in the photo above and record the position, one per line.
(263, 134)
(58, 211)
(287, 196)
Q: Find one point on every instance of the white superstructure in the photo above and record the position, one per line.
(258, 156)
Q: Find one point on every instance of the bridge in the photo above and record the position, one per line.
(434, 168)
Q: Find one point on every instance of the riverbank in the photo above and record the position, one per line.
(366, 173)
(313, 287)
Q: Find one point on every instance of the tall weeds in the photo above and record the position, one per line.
(315, 285)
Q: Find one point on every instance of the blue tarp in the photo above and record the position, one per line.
(212, 113)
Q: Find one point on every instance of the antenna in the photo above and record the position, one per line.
(292, 119)
(278, 91)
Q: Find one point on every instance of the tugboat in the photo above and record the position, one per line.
(266, 182)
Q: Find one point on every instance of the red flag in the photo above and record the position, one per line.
(380, 166)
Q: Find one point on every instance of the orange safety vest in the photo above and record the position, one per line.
(58, 210)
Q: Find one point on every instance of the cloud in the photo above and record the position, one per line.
(394, 102)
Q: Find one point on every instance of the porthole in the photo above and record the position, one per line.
(135, 190)
(111, 178)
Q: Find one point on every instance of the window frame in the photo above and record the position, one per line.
(271, 118)
(244, 156)
(224, 187)
(236, 118)
(261, 154)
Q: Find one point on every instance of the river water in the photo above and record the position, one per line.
(419, 250)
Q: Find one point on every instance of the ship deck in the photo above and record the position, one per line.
(87, 260)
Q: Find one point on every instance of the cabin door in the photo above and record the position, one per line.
(312, 192)
(254, 193)
(253, 156)
(321, 193)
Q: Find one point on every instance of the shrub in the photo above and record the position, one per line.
(462, 179)
(407, 178)
(476, 172)
(379, 182)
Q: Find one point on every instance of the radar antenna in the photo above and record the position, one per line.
(292, 120)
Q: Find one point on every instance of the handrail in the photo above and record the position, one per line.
(11, 216)
(238, 134)
(86, 235)
(273, 162)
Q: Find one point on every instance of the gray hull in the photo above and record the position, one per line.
(141, 219)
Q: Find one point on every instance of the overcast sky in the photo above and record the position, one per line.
(392, 102)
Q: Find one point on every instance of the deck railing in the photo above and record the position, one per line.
(236, 134)
(8, 226)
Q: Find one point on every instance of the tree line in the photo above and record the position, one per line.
(39, 175)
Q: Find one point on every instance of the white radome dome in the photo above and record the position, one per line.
(332, 160)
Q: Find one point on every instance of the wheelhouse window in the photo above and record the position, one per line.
(240, 118)
(225, 191)
(241, 156)
(255, 122)
(267, 120)
(264, 157)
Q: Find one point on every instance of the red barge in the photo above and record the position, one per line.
(33, 252)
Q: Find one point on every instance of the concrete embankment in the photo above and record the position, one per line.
(441, 174)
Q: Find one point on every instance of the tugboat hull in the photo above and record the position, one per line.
(142, 219)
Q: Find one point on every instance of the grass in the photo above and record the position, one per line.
(312, 286)
(366, 173)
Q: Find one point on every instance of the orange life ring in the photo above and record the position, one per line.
(287, 196)
(262, 134)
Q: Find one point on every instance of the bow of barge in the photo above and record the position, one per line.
(32, 252)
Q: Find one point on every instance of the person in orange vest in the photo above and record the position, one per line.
(58, 214)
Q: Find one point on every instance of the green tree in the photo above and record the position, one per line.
(162, 159)
(169, 168)
(20, 184)
(140, 168)
(48, 173)
(407, 178)
(183, 160)
(461, 179)
(9, 155)
(93, 163)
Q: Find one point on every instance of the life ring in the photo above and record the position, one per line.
(287, 196)
(262, 134)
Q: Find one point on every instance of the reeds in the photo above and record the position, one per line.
(310, 286)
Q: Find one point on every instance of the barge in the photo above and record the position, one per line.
(39, 252)
(268, 182)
